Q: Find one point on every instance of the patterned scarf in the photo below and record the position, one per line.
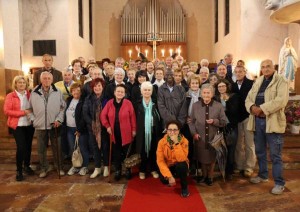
(148, 125)
(96, 124)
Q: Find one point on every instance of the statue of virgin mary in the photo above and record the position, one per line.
(288, 62)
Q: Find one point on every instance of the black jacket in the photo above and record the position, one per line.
(242, 94)
(140, 124)
(136, 95)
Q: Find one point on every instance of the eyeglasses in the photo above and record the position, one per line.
(172, 130)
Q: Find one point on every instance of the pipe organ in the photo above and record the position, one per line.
(148, 21)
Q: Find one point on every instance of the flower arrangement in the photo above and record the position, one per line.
(292, 112)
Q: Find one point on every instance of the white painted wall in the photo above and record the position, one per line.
(79, 46)
(1, 38)
(231, 43)
(10, 29)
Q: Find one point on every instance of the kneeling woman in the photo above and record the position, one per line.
(172, 157)
(118, 118)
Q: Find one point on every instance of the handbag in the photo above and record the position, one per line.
(218, 140)
(132, 160)
(76, 156)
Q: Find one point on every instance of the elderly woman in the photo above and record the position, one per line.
(148, 131)
(194, 67)
(91, 111)
(119, 76)
(16, 108)
(77, 72)
(118, 118)
(76, 126)
(207, 116)
(192, 96)
(213, 79)
(230, 102)
(172, 157)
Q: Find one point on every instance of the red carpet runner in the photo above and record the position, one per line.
(151, 195)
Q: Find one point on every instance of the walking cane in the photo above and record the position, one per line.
(57, 153)
(109, 160)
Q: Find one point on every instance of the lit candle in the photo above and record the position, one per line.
(179, 51)
(163, 53)
(171, 52)
(146, 52)
(129, 52)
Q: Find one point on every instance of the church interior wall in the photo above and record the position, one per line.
(1, 38)
(79, 46)
(199, 34)
(230, 43)
(10, 37)
(261, 37)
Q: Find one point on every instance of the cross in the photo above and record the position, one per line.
(154, 39)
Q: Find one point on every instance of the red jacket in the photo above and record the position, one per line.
(126, 117)
(12, 108)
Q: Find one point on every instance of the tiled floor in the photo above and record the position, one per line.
(80, 193)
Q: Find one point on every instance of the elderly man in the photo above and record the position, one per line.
(228, 62)
(48, 106)
(48, 62)
(204, 72)
(265, 103)
(171, 100)
(245, 158)
(64, 85)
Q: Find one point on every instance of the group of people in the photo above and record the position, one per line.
(169, 112)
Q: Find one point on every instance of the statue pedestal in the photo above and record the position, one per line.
(288, 13)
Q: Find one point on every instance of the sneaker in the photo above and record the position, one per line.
(43, 174)
(83, 171)
(105, 171)
(28, 170)
(72, 171)
(258, 179)
(185, 193)
(61, 172)
(142, 175)
(278, 189)
(155, 174)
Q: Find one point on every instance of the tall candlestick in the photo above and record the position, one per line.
(129, 52)
(146, 52)
(179, 51)
(171, 52)
(163, 53)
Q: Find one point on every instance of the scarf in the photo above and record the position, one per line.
(148, 125)
(194, 98)
(96, 125)
(159, 83)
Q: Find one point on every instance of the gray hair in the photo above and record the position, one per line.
(204, 61)
(67, 69)
(146, 84)
(204, 69)
(208, 86)
(45, 73)
(119, 71)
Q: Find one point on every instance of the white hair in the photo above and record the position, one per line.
(146, 84)
(208, 86)
(119, 71)
(204, 61)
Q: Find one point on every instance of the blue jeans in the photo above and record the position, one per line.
(275, 142)
(83, 144)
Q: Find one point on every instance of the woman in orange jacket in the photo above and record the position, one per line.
(172, 157)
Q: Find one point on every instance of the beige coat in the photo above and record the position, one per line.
(276, 98)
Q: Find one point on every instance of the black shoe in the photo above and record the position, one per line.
(208, 181)
(128, 174)
(19, 176)
(199, 179)
(117, 175)
(185, 192)
(28, 170)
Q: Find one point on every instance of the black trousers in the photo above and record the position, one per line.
(23, 137)
(149, 160)
(178, 170)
